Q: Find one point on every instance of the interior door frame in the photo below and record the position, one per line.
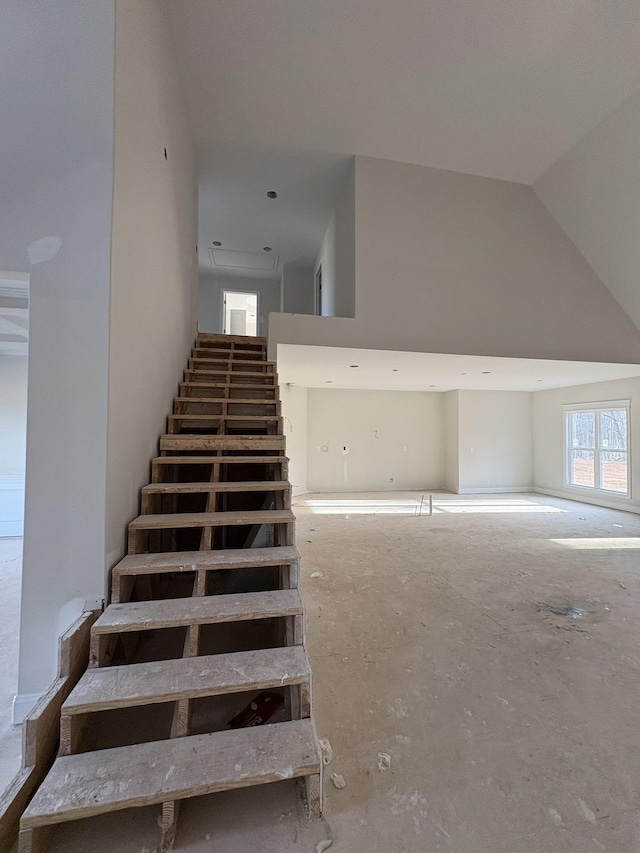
(223, 312)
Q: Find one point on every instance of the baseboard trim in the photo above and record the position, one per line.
(11, 505)
(496, 490)
(11, 529)
(23, 705)
(596, 500)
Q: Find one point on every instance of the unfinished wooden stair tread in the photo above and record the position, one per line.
(111, 687)
(230, 360)
(208, 486)
(157, 521)
(189, 441)
(91, 783)
(208, 416)
(200, 610)
(235, 401)
(240, 374)
(192, 561)
(216, 460)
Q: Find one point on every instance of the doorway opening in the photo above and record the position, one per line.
(240, 313)
(14, 343)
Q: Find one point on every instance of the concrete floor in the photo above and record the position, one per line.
(10, 735)
(491, 651)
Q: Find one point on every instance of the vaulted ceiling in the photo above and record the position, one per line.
(281, 93)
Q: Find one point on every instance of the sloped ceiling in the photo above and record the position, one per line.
(282, 93)
(593, 191)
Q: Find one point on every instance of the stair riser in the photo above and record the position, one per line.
(178, 471)
(222, 424)
(229, 365)
(235, 354)
(217, 339)
(149, 541)
(263, 381)
(168, 501)
(221, 408)
(123, 584)
(226, 391)
(103, 645)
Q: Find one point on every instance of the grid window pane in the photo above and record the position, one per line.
(583, 429)
(582, 470)
(613, 430)
(613, 471)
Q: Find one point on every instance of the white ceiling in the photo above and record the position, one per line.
(329, 367)
(282, 92)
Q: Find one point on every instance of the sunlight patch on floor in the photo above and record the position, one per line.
(602, 544)
(418, 506)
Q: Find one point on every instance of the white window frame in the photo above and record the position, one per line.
(600, 406)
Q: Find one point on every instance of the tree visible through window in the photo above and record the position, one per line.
(597, 451)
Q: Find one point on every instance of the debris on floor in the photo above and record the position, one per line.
(258, 712)
(384, 761)
(321, 846)
(325, 749)
(339, 781)
(569, 610)
(317, 575)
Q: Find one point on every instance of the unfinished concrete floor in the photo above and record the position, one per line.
(10, 735)
(490, 651)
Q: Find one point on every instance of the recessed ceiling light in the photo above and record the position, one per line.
(395, 370)
(540, 380)
(328, 381)
(268, 249)
(484, 372)
(464, 373)
(354, 365)
(217, 243)
(272, 194)
(432, 386)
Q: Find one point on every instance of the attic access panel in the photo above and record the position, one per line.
(234, 259)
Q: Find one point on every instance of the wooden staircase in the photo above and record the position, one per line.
(205, 616)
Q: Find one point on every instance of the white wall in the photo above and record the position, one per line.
(56, 184)
(297, 289)
(594, 193)
(154, 267)
(455, 263)
(451, 441)
(390, 434)
(495, 441)
(294, 413)
(13, 440)
(548, 438)
(337, 256)
(211, 287)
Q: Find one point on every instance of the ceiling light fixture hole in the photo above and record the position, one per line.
(272, 194)
(217, 243)
(267, 249)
